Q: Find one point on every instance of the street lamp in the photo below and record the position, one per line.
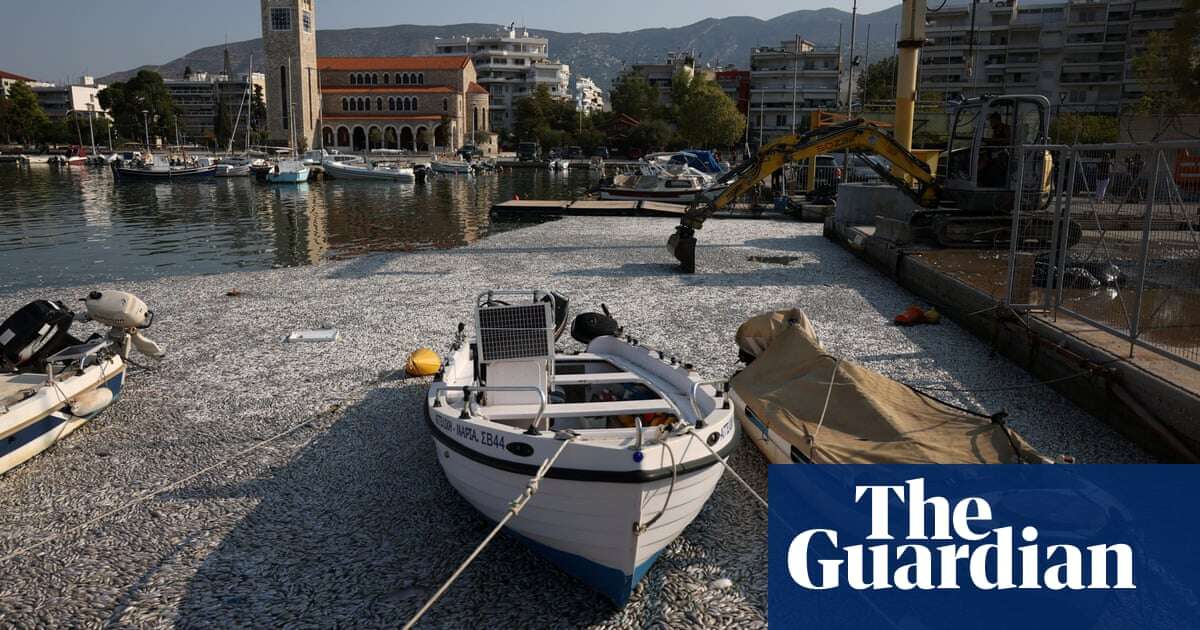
(146, 122)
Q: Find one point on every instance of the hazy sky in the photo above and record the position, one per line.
(54, 40)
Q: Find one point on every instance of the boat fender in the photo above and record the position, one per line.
(423, 362)
(91, 403)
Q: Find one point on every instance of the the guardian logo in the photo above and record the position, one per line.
(973, 555)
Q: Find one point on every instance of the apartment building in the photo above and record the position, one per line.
(510, 66)
(1077, 53)
(198, 96)
(589, 97)
(787, 83)
(60, 101)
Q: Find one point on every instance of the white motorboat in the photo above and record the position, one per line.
(560, 165)
(288, 172)
(379, 172)
(642, 437)
(452, 167)
(654, 182)
(52, 384)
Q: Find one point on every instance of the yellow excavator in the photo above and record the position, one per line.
(968, 206)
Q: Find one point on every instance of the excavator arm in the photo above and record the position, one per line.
(857, 136)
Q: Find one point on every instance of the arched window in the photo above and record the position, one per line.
(352, 106)
(387, 78)
(421, 79)
(352, 81)
(415, 104)
(404, 79)
(379, 103)
(404, 104)
(445, 104)
(345, 105)
(391, 103)
(374, 79)
(367, 104)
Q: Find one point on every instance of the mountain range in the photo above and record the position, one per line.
(601, 56)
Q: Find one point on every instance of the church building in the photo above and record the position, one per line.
(424, 103)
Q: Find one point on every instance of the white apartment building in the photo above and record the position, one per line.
(198, 95)
(788, 82)
(1077, 53)
(511, 66)
(59, 101)
(588, 97)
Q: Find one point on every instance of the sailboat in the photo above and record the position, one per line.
(291, 170)
(235, 165)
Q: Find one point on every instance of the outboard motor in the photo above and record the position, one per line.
(35, 332)
(127, 316)
(589, 326)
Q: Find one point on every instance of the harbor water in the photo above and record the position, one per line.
(70, 226)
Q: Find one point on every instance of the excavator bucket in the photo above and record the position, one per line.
(682, 246)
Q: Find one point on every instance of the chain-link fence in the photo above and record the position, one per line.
(1123, 248)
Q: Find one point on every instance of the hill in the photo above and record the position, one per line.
(598, 55)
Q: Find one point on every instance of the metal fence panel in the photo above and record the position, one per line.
(1126, 257)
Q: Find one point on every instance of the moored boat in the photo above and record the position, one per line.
(160, 168)
(52, 384)
(654, 183)
(636, 467)
(379, 172)
(452, 167)
(288, 172)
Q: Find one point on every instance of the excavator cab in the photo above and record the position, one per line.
(985, 150)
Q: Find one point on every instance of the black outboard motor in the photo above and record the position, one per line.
(588, 326)
(35, 332)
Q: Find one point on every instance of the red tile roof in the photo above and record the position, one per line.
(13, 77)
(475, 88)
(384, 90)
(429, 62)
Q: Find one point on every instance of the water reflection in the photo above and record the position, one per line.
(74, 226)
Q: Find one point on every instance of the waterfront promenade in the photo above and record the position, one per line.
(348, 520)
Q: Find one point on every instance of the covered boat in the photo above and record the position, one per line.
(452, 167)
(51, 383)
(800, 404)
(161, 168)
(288, 172)
(631, 439)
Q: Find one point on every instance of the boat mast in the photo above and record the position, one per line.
(291, 110)
(250, 110)
(238, 120)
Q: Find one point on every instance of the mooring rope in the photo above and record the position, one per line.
(514, 508)
(692, 431)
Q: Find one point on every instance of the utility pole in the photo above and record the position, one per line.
(850, 87)
(795, 79)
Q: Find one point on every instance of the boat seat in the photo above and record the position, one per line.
(597, 378)
(506, 413)
(13, 387)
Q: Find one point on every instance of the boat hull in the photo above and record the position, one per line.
(684, 196)
(42, 420)
(338, 171)
(584, 527)
(232, 171)
(175, 173)
(290, 177)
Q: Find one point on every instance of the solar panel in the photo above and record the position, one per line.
(508, 333)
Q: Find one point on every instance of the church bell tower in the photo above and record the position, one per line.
(289, 29)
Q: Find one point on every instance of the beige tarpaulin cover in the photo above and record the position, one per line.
(869, 419)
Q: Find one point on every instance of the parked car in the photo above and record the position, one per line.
(829, 173)
(529, 152)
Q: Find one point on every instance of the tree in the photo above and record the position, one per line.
(23, 116)
(878, 82)
(222, 124)
(707, 117)
(1169, 70)
(635, 97)
(125, 102)
(1084, 128)
(258, 116)
(649, 136)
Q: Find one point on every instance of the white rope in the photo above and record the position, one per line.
(513, 509)
(640, 528)
(692, 431)
(828, 395)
